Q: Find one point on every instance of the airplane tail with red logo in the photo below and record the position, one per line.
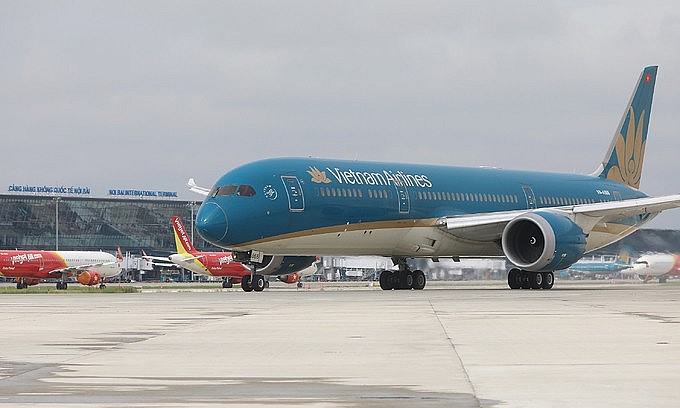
(182, 239)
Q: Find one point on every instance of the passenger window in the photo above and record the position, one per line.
(245, 191)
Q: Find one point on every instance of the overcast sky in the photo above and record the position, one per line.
(145, 94)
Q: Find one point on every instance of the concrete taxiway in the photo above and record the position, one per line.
(580, 345)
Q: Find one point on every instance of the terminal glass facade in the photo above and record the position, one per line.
(79, 223)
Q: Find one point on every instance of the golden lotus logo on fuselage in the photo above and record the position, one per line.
(318, 176)
(630, 153)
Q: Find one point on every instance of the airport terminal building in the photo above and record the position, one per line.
(65, 222)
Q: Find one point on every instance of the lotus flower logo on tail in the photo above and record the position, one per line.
(630, 153)
(318, 176)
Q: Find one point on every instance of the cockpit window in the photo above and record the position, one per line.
(245, 191)
(241, 191)
(223, 190)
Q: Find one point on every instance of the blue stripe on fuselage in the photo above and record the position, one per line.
(337, 192)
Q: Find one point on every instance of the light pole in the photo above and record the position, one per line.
(56, 222)
(191, 205)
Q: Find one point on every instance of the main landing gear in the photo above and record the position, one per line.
(403, 279)
(62, 285)
(519, 279)
(253, 282)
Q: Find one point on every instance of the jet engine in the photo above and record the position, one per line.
(89, 278)
(290, 278)
(28, 281)
(543, 241)
(284, 265)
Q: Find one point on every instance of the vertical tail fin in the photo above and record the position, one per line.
(119, 255)
(182, 240)
(623, 161)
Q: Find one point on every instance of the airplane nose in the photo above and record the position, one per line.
(211, 222)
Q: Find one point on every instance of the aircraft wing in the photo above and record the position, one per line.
(191, 258)
(79, 268)
(196, 188)
(489, 227)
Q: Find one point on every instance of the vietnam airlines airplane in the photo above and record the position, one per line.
(223, 264)
(540, 221)
(89, 267)
(601, 268)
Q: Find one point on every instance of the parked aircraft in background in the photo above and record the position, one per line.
(591, 267)
(89, 267)
(222, 264)
(657, 266)
(293, 208)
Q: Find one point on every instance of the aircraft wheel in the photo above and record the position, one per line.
(419, 280)
(245, 284)
(299, 284)
(548, 280)
(386, 280)
(408, 280)
(535, 280)
(102, 286)
(226, 283)
(258, 283)
(513, 278)
(524, 282)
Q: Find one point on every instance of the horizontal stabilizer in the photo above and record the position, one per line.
(196, 188)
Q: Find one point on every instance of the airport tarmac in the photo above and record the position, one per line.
(457, 345)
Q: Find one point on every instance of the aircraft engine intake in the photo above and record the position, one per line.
(290, 278)
(89, 278)
(543, 241)
(284, 265)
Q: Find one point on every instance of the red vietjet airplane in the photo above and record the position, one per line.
(657, 266)
(89, 267)
(218, 263)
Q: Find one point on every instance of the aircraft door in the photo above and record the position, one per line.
(403, 198)
(296, 198)
(531, 198)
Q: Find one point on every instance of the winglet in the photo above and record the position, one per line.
(623, 161)
(182, 240)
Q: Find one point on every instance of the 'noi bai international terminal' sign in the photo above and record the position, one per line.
(86, 191)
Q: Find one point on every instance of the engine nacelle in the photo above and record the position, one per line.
(29, 281)
(543, 241)
(89, 278)
(290, 278)
(284, 265)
